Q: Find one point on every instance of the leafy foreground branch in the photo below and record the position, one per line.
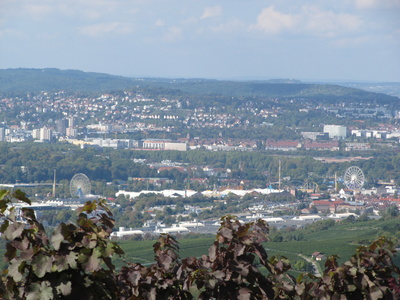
(75, 263)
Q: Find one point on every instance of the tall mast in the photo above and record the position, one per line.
(336, 183)
(279, 174)
(54, 184)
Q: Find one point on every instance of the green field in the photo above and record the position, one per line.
(142, 251)
(341, 240)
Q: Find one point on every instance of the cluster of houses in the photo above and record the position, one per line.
(365, 204)
(127, 112)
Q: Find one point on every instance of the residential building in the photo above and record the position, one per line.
(282, 145)
(321, 146)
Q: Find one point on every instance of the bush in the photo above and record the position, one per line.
(74, 262)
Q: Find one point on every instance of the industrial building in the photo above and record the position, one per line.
(336, 131)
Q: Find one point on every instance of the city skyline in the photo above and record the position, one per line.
(331, 41)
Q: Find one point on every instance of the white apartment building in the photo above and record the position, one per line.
(45, 134)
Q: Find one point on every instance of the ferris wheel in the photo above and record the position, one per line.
(80, 185)
(354, 178)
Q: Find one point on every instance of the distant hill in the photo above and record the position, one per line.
(34, 80)
(389, 88)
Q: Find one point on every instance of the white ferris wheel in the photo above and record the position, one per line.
(354, 178)
(80, 186)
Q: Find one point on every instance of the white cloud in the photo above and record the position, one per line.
(88, 9)
(91, 14)
(46, 36)
(133, 11)
(190, 21)
(160, 23)
(102, 29)
(365, 3)
(353, 41)
(373, 4)
(9, 32)
(233, 26)
(38, 10)
(174, 33)
(211, 12)
(273, 22)
(310, 20)
(328, 23)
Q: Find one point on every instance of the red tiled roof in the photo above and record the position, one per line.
(282, 143)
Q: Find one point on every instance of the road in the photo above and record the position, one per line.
(316, 269)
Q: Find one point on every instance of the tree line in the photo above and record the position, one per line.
(31, 162)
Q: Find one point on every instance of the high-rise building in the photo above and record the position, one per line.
(2, 134)
(62, 126)
(36, 134)
(46, 134)
(72, 122)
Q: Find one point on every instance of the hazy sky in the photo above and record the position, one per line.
(237, 39)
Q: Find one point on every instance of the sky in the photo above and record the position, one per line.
(330, 40)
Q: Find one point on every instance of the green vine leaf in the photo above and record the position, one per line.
(64, 288)
(14, 230)
(20, 195)
(41, 264)
(3, 193)
(42, 291)
(89, 241)
(58, 237)
(10, 253)
(28, 213)
(91, 263)
(63, 262)
(14, 269)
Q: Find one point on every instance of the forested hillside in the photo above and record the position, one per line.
(34, 80)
